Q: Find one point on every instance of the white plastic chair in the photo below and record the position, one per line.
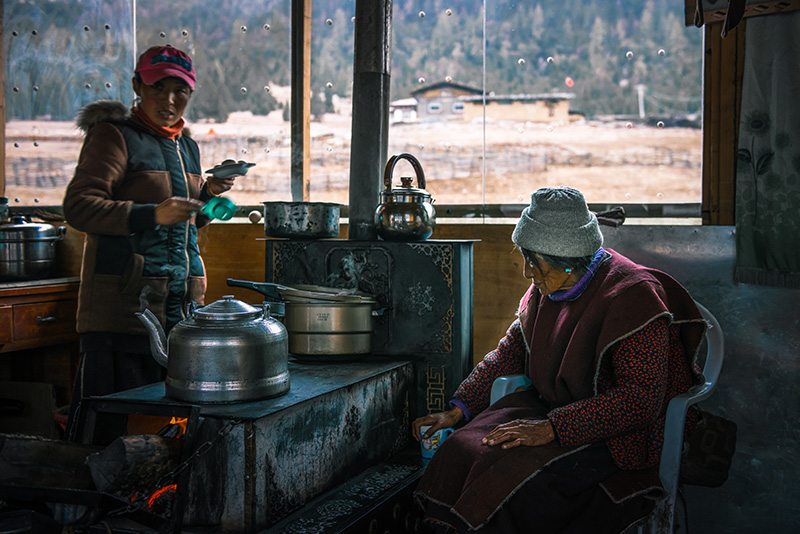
(662, 518)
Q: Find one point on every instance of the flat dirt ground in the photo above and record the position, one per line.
(610, 162)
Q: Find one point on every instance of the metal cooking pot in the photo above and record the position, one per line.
(321, 321)
(227, 351)
(405, 213)
(301, 220)
(28, 250)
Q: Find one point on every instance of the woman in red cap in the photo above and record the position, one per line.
(136, 193)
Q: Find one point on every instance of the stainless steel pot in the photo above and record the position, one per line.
(28, 250)
(405, 213)
(321, 321)
(227, 351)
(301, 220)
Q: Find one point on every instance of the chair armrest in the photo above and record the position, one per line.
(673, 434)
(508, 384)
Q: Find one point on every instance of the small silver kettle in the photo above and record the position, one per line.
(405, 213)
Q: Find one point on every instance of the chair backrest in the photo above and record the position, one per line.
(715, 350)
(669, 470)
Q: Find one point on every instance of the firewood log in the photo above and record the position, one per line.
(133, 463)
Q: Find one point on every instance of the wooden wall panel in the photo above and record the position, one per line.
(722, 95)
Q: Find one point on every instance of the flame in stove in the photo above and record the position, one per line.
(159, 492)
(180, 421)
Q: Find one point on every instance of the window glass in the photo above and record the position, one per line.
(604, 96)
(58, 57)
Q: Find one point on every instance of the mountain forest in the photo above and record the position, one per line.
(613, 55)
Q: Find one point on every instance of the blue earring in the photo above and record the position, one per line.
(567, 270)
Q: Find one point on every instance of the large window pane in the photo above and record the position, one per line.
(604, 96)
(59, 56)
(630, 74)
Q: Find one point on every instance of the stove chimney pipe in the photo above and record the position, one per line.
(370, 126)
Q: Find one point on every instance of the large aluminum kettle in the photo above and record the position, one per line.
(228, 351)
(405, 213)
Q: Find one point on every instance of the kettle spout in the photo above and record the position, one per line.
(158, 339)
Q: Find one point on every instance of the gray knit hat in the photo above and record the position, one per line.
(558, 223)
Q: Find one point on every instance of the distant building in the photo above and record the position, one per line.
(547, 107)
(442, 101)
(449, 101)
(403, 110)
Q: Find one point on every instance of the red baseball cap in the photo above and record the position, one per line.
(163, 61)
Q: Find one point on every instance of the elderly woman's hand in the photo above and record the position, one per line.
(437, 421)
(530, 432)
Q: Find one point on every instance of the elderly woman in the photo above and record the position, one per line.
(606, 343)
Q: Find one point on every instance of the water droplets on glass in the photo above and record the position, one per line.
(420, 146)
(86, 28)
(35, 88)
(244, 151)
(551, 60)
(521, 61)
(659, 196)
(550, 128)
(660, 124)
(329, 85)
(16, 145)
(448, 79)
(185, 33)
(266, 88)
(266, 27)
(244, 29)
(569, 82)
(87, 85)
(162, 35)
(15, 89)
(266, 150)
(34, 32)
(328, 148)
(629, 125)
(35, 143)
(107, 27)
(329, 22)
(422, 14)
(629, 54)
(521, 129)
(627, 196)
(243, 90)
(448, 12)
(662, 52)
(421, 80)
(353, 20)
(108, 85)
(14, 33)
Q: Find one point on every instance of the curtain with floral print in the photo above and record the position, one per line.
(768, 167)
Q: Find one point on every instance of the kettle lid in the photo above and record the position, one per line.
(227, 309)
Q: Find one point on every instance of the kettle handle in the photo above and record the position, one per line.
(387, 175)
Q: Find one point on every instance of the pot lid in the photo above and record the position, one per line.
(311, 293)
(18, 229)
(227, 309)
